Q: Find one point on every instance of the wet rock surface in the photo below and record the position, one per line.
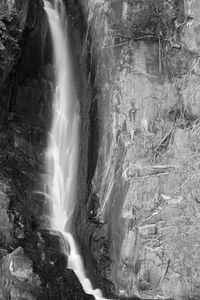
(38, 268)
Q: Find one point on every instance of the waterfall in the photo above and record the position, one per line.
(63, 146)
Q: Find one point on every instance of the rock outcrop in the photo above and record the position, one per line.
(140, 216)
(12, 23)
(17, 269)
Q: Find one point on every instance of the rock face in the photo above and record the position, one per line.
(12, 24)
(139, 218)
(17, 269)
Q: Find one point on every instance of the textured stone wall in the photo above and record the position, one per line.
(141, 217)
(136, 65)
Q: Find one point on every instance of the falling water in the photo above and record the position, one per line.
(63, 145)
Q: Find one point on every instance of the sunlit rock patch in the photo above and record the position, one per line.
(16, 269)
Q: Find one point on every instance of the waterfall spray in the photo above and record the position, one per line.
(62, 152)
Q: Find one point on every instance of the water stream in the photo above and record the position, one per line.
(62, 152)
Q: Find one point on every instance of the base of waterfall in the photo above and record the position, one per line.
(75, 263)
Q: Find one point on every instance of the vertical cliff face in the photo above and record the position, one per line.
(136, 65)
(22, 140)
(140, 220)
(23, 38)
(12, 24)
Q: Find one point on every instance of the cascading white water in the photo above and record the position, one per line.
(62, 152)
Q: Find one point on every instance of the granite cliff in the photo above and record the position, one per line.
(140, 217)
(136, 65)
